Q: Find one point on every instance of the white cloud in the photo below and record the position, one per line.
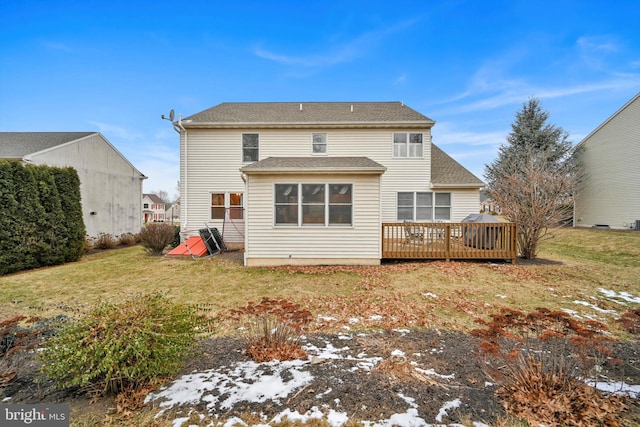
(345, 52)
(118, 131)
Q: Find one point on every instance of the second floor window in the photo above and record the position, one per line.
(319, 143)
(250, 147)
(407, 144)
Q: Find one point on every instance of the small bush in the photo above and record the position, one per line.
(125, 346)
(156, 236)
(631, 321)
(127, 239)
(541, 360)
(273, 329)
(176, 236)
(105, 241)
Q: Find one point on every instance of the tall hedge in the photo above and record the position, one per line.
(40, 216)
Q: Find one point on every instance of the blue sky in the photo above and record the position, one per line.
(116, 66)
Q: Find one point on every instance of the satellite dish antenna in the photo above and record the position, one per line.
(172, 115)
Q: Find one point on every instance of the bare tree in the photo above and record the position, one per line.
(534, 177)
(163, 195)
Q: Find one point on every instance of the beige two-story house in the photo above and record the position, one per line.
(312, 183)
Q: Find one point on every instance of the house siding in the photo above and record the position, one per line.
(610, 194)
(214, 158)
(109, 185)
(268, 244)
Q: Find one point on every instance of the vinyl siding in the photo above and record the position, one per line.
(611, 193)
(214, 159)
(267, 243)
(109, 185)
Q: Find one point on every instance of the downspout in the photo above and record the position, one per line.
(183, 198)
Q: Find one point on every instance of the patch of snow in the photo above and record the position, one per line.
(488, 384)
(402, 332)
(572, 313)
(249, 381)
(452, 404)
(430, 295)
(376, 317)
(397, 353)
(501, 296)
(433, 373)
(6, 399)
(615, 296)
(595, 307)
(353, 320)
(234, 421)
(327, 318)
(324, 393)
(616, 388)
(179, 421)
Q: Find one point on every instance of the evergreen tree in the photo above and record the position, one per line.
(534, 176)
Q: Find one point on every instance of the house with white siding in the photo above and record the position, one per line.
(110, 186)
(312, 183)
(609, 194)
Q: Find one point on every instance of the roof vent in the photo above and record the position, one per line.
(301, 107)
(352, 108)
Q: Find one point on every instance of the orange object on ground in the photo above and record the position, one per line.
(194, 244)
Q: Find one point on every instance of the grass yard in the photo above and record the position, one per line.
(572, 272)
(591, 274)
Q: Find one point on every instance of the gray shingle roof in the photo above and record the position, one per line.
(445, 171)
(15, 145)
(153, 197)
(314, 164)
(306, 113)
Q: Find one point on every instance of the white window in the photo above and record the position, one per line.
(407, 144)
(319, 204)
(250, 147)
(419, 206)
(319, 143)
(222, 202)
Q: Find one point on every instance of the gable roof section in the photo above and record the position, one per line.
(154, 198)
(16, 145)
(634, 99)
(446, 172)
(290, 165)
(298, 114)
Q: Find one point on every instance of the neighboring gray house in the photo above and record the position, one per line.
(610, 193)
(110, 186)
(312, 183)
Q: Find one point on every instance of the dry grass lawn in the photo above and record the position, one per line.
(572, 268)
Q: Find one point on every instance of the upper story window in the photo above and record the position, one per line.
(407, 144)
(319, 145)
(146, 206)
(250, 147)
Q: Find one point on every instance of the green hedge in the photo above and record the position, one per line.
(40, 216)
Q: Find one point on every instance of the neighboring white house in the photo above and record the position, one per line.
(153, 208)
(312, 183)
(110, 186)
(610, 193)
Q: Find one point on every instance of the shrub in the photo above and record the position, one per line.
(123, 346)
(127, 239)
(631, 321)
(156, 236)
(541, 360)
(105, 241)
(273, 329)
(176, 236)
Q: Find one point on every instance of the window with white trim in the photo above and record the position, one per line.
(423, 206)
(313, 204)
(319, 143)
(221, 202)
(406, 144)
(250, 147)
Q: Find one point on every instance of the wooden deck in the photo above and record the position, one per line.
(429, 240)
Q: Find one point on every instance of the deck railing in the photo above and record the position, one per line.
(435, 240)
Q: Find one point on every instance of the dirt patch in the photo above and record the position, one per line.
(371, 376)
